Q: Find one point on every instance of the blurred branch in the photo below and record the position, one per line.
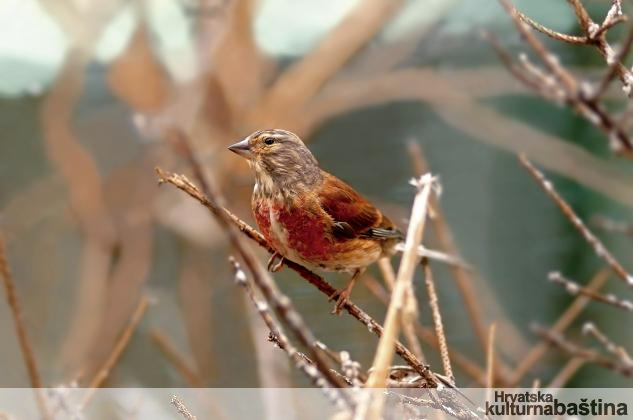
(575, 289)
(177, 360)
(182, 409)
(560, 85)
(117, 351)
(572, 366)
(612, 226)
(563, 322)
(619, 352)
(28, 355)
(598, 247)
(463, 279)
(588, 355)
(304, 79)
(456, 106)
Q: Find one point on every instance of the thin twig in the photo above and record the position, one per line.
(575, 289)
(428, 336)
(182, 409)
(599, 248)
(612, 226)
(490, 359)
(567, 372)
(616, 350)
(563, 322)
(589, 355)
(26, 348)
(277, 336)
(177, 360)
(437, 320)
(117, 351)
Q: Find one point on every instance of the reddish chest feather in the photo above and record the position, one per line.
(295, 230)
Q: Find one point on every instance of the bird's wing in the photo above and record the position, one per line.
(353, 215)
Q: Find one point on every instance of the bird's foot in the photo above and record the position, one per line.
(341, 300)
(275, 263)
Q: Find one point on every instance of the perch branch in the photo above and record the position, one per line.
(182, 183)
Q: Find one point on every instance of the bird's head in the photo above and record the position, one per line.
(279, 158)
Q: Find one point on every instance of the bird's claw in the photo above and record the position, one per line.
(275, 263)
(341, 301)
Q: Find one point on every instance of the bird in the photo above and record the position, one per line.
(308, 215)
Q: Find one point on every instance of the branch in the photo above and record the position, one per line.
(180, 406)
(563, 322)
(589, 355)
(437, 321)
(600, 250)
(117, 351)
(169, 351)
(575, 289)
(26, 348)
(311, 369)
(182, 183)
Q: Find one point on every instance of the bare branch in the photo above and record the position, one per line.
(26, 348)
(169, 351)
(180, 406)
(437, 320)
(575, 289)
(600, 250)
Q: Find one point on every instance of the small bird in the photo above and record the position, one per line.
(310, 216)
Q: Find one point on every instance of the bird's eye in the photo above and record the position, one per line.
(269, 140)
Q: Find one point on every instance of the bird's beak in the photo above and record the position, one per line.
(241, 148)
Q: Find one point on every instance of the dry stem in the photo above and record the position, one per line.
(171, 353)
(13, 301)
(575, 289)
(117, 351)
(437, 321)
(564, 321)
(600, 250)
(180, 406)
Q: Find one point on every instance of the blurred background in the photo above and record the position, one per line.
(90, 92)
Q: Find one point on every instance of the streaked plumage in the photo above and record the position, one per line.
(308, 215)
